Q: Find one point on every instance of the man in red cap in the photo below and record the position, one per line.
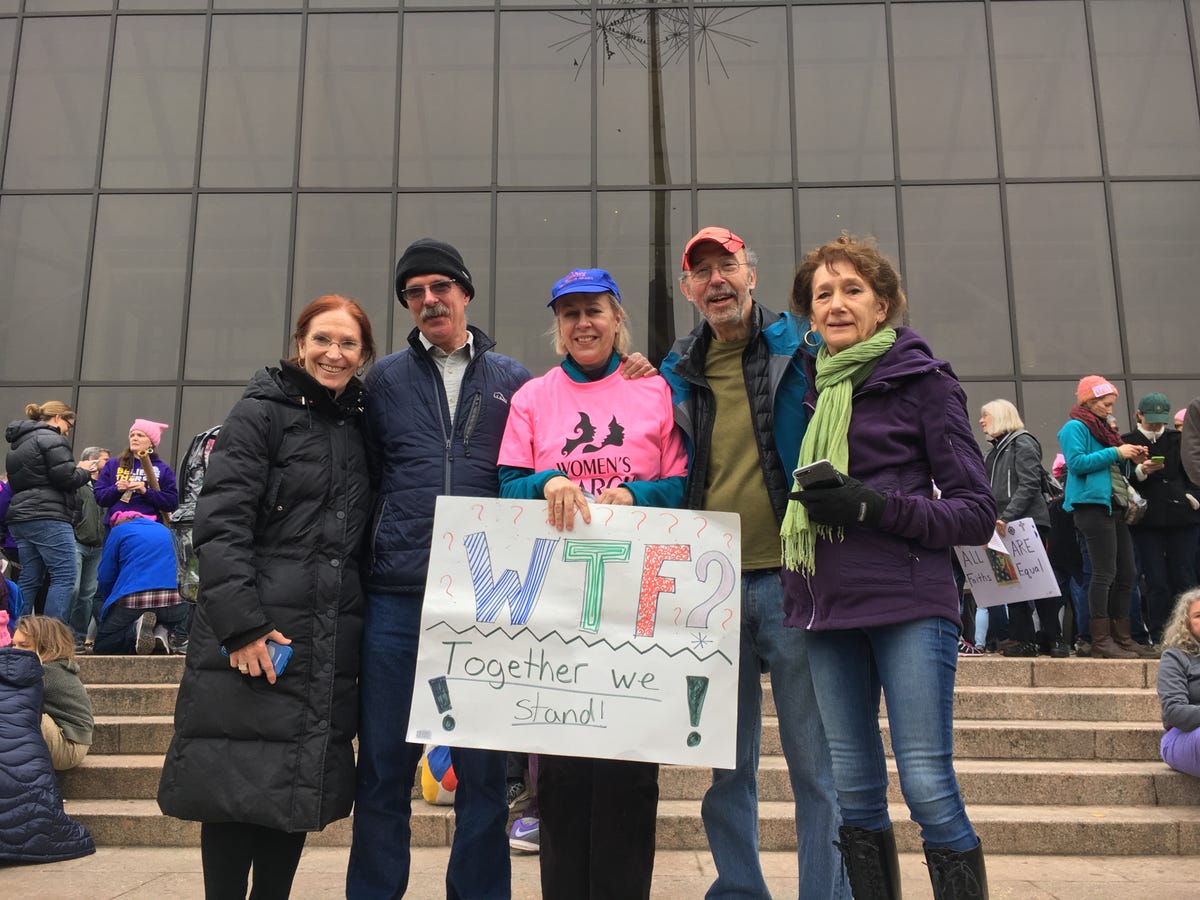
(738, 383)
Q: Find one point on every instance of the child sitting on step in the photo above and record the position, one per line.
(1179, 685)
(66, 709)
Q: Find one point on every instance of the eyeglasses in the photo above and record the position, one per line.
(350, 348)
(727, 267)
(69, 419)
(439, 289)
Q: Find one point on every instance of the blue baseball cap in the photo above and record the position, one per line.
(584, 281)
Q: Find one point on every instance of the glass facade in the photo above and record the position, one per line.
(178, 177)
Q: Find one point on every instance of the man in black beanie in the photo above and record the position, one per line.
(435, 416)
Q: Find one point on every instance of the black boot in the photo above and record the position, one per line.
(871, 862)
(957, 874)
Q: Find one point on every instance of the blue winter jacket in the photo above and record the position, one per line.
(1089, 464)
(416, 455)
(777, 385)
(33, 825)
(139, 555)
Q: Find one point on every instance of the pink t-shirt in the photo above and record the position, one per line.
(598, 433)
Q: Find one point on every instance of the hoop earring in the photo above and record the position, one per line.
(360, 371)
(808, 343)
(301, 361)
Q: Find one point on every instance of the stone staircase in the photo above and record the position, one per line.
(1053, 757)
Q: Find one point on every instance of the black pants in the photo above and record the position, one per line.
(1020, 620)
(229, 849)
(1110, 550)
(597, 827)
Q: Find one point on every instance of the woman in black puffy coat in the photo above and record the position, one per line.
(261, 757)
(44, 481)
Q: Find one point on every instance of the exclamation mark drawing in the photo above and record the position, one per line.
(697, 689)
(441, 696)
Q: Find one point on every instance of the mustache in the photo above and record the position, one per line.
(432, 312)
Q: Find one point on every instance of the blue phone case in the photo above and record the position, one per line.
(280, 654)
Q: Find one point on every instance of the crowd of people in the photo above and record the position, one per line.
(313, 525)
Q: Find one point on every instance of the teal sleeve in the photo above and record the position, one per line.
(663, 492)
(519, 483)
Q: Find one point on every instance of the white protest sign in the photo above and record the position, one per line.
(618, 639)
(1009, 569)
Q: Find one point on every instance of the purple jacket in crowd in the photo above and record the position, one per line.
(908, 429)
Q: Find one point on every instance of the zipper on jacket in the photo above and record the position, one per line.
(471, 421)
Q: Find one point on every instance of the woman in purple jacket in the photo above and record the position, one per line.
(868, 564)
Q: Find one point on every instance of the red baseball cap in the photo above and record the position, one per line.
(723, 237)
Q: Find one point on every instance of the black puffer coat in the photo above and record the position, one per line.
(42, 473)
(279, 530)
(33, 826)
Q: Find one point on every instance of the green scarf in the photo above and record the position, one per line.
(827, 437)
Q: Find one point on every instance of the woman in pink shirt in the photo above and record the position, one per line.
(583, 433)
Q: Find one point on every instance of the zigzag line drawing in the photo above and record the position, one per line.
(442, 623)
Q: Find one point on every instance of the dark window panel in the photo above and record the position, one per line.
(250, 112)
(743, 125)
(150, 140)
(105, 414)
(945, 127)
(1063, 279)
(256, 4)
(545, 98)
(9, 6)
(349, 101)
(631, 227)
(763, 219)
(843, 105)
(343, 246)
(8, 42)
(1044, 85)
(43, 250)
(335, 4)
(135, 302)
(203, 407)
(62, 5)
(237, 318)
(462, 220)
(1147, 88)
(955, 277)
(446, 100)
(55, 130)
(1159, 248)
(162, 4)
(539, 238)
(643, 135)
(827, 212)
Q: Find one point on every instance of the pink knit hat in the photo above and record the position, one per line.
(1093, 387)
(152, 430)
(125, 515)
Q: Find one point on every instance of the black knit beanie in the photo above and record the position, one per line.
(430, 257)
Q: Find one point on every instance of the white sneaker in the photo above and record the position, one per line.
(162, 643)
(144, 642)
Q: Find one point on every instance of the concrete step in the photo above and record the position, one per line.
(154, 699)
(130, 669)
(1063, 704)
(132, 734)
(1033, 830)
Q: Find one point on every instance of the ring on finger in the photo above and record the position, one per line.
(243, 668)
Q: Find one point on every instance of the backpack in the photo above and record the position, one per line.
(195, 464)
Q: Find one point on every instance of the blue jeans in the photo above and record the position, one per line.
(117, 634)
(87, 567)
(46, 545)
(914, 664)
(730, 808)
(479, 866)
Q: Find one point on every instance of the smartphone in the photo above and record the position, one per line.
(280, 654)
(820, 474)
(1158, 459)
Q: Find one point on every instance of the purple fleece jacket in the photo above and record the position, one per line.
(908, 429)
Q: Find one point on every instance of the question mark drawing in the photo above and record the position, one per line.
(698, 617)
(728, 540)
(519, 509)
(674, 522)
(479, 515)
(450, 540)
(678, 611)
(643, 522)
(610, 512)
(447, 581)
(725, 624)
(703, 524)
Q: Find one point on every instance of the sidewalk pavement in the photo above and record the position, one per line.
(148, 873)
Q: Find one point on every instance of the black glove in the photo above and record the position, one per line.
(853, 503)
